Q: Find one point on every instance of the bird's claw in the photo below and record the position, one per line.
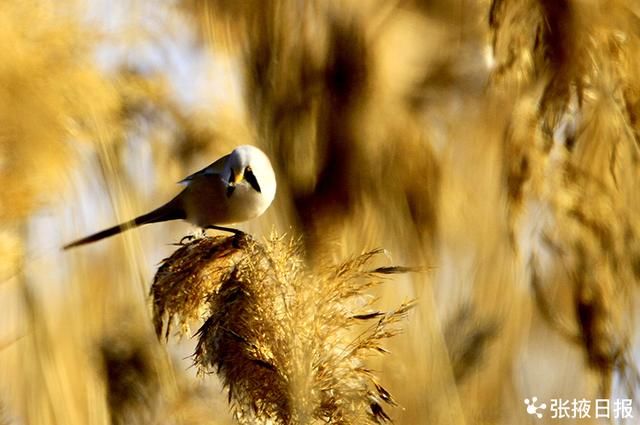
(237, 238)
(186, 239)
(237, 234)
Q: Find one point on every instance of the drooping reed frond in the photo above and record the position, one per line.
(575, 163)
(289, 343)
(597, 246)
(185, 280)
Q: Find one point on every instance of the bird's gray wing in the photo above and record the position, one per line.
(215, 168)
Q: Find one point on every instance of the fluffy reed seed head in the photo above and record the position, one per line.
(578, 158)
(289, 343)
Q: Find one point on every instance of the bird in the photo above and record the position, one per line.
(236, 188)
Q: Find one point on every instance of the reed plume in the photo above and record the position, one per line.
(289, 343)
(574, 164)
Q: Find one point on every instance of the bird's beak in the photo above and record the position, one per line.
(237, 178)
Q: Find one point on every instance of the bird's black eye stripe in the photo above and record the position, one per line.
(251, 178)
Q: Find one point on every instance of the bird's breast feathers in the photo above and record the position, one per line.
(246, 203)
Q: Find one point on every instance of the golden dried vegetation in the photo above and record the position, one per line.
(288, 343)
(493, 145)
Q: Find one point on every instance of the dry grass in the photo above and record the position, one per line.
(580, 163)
(289, 344)
(493, 144)
(47, 95)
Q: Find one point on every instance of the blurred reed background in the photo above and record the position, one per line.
(493, 144)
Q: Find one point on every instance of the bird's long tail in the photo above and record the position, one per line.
(170, 211)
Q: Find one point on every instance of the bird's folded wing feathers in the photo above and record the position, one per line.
(214, 168)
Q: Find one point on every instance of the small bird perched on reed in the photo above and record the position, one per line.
(235, 188)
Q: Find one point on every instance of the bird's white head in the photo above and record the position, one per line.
(250, 178)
